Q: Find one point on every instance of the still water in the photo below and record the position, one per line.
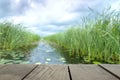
(45, 54)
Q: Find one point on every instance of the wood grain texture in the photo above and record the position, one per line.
(113, 68)
(49, 72)
(2, 66)
(15, 71)
(89, 72)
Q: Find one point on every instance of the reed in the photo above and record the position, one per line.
(14, 37)
(94, 40)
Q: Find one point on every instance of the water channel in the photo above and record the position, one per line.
(45, 54)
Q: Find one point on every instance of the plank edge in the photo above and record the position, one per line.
(112, 73)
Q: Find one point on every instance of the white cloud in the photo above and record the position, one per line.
(116, 5)
(50, 16)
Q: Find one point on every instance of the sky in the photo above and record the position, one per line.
(46, 17)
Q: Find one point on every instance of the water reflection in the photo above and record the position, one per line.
(45, 54)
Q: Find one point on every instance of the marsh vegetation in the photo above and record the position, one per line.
(15, 42)
(95, 40)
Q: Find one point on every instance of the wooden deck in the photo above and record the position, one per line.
(60, 72)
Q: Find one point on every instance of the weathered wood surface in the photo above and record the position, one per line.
(59, 72)
(2, 66)
(112, 68)
(49, 72)
(15, 72)
(89, 72)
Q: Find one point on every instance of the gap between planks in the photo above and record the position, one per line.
(79, 71)
(109, 71)
(68, 70)
(49, 72)
(30, 72)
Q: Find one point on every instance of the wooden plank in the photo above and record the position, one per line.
(89, 72)
(2, 65)
(112, 68)
(49, 72)
(15, 71)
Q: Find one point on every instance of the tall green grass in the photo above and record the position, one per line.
(94, 40)
(13, 37)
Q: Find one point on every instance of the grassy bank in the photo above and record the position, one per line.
(15, 40)
(95, 40)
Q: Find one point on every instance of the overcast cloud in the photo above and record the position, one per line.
(47, 17)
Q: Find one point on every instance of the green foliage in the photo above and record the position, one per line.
(95, 40)
(14, 38)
